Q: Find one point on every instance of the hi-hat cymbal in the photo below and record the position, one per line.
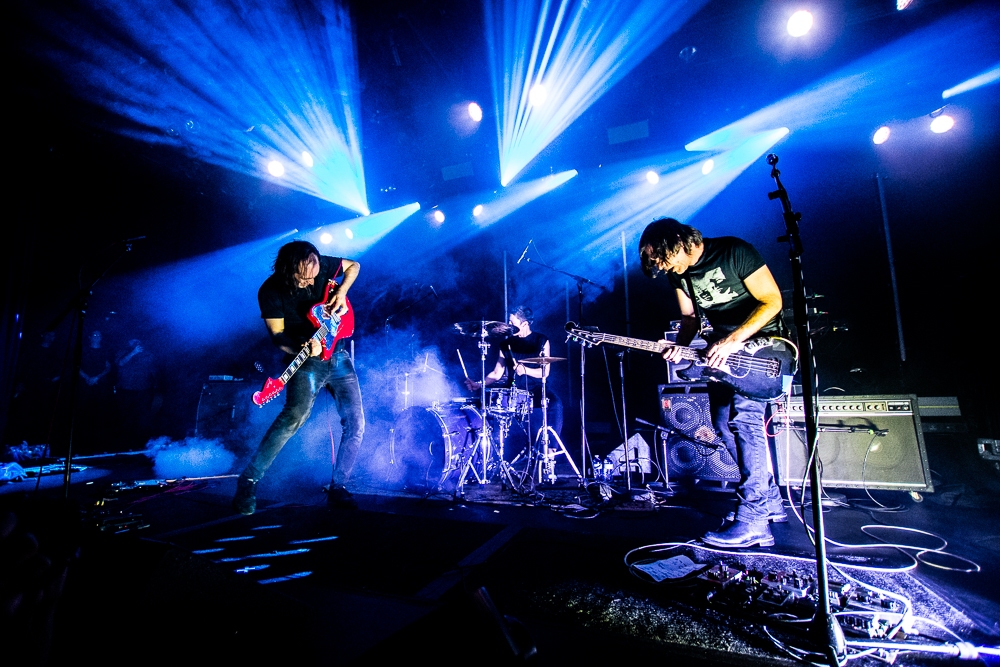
(477, 327)
(540, 361)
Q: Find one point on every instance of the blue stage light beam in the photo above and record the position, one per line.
(683, 189)
(509, 200)
(989, 77)
(352, 238)
(900, 80)
(240, 85)
(575, 51)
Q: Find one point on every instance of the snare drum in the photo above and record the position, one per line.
(509, 401)
(430, 444)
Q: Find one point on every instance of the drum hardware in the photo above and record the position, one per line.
(432, 444)
(545, 457)
(481, 450)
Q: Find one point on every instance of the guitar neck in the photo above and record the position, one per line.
(303, 354)
(640, 344)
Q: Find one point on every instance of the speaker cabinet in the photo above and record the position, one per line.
(695, 451)
(872, 442)
(222, 410)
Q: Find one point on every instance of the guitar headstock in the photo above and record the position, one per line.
(583, 336)
(271, 389)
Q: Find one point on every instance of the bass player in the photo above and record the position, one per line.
(299, 282)
(725, 279)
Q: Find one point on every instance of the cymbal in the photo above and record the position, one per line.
(540, 361)
(475, 328)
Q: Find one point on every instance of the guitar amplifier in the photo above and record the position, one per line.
(222, 408)
(872, 442)
(696, 452)
(699, 343)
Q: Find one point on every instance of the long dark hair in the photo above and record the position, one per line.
(290, 256)
(665, 238)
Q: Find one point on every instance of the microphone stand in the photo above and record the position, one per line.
(824, 627)
(580, 282)
(78, 305)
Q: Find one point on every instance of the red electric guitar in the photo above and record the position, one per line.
(330, 329)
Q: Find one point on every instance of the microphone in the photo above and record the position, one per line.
(525, 251)
(772, 159)
(433, 290)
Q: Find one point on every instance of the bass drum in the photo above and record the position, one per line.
(430, 444)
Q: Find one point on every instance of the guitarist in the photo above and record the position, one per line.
(298, 283)
(725, 279)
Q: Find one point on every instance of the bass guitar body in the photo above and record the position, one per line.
(762, 369)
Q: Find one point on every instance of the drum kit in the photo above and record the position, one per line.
(465, 438)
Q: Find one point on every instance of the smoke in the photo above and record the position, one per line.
(191, 457)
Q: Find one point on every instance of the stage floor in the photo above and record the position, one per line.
(168, 573)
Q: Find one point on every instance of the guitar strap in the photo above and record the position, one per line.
(697, 308)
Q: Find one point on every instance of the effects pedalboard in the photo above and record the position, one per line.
(786, 595)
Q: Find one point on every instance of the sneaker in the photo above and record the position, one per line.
(340, 498)
(245, 500)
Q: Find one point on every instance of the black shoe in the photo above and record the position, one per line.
(773, 516)
(340, 498)
(740, 535)
(245, 500)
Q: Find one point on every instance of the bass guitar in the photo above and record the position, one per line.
(330, 328)
(762, 369)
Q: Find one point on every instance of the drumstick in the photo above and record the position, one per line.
(463, 364)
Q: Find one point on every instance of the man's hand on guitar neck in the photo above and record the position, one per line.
(314, 346)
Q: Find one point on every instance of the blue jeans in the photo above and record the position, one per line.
(339, 378)
(739, 421)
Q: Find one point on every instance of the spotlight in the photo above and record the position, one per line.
(800, 23)
(348, 233)
(276, 168)
(942, 124)
(326, 238)
(707, 166)
(477, 211)
(652, 177)
(438, 216)
(537, 95)
(902, 4)
(881, 135)
(307, 159)
(475, 112)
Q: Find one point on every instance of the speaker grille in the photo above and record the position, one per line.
(690, 414)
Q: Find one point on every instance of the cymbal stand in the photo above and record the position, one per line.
(546, 463)
(580, 282)
(482, 444)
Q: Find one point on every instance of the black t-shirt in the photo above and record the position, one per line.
(515, 348)
(276, 302)
(718, 284)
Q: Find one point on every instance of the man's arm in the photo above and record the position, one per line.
(540, 372)
(338, 296)
(689, 327)
(276, 327)
(761, 286)
(493, 376)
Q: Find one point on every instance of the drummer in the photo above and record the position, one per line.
(523, 343)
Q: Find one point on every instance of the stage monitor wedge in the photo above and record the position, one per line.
(865, 442)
